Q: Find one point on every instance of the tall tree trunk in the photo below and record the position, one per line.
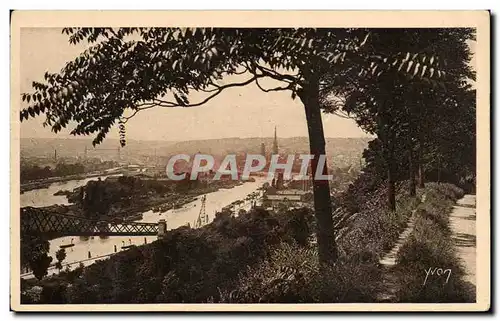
(384, 129)
(327, 248)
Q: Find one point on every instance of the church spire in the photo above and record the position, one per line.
(275, 142)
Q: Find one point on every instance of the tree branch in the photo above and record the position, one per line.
(169, 104)
(271, 73)
(138, 109)
(272, 89)
(204, 90)
(343, 115)
(163, 103)
(241, 72)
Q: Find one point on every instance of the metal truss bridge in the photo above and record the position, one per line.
(35, 220)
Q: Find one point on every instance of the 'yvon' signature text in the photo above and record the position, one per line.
(438, 272)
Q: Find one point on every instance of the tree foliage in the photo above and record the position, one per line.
(34, 254)
(140, 68)
(417, 121)
(60, 256)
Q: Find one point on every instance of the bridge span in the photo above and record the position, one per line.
(34, 220)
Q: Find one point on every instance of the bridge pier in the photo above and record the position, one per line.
(162, 228)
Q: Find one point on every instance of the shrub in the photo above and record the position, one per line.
(417, 259)
(375, 230)
(291, 274)
(449, 191)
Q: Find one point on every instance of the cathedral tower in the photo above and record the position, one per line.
(275, 142)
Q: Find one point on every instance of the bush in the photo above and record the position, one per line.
(449, 191)
(375, 229)
(291, 274)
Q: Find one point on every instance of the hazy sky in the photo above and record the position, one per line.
(237, 112)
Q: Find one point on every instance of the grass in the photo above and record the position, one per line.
(430, 247)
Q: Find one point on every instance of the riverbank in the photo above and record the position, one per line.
(101, 247)
(128, 198)
(45, 183)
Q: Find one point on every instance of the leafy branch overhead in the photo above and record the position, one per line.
(127, 70)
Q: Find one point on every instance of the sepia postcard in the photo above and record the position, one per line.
(250, 161)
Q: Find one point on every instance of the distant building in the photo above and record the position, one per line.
(290, 198)
(280, 181)
(206, 177)
(263, 149)
(302, 182)
(275, 142)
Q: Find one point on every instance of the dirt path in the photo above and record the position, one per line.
(463, 227)
(389, 283)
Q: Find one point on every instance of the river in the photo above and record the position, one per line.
(45, 196)
(101, 247)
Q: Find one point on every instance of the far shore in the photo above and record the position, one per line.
(45, 183)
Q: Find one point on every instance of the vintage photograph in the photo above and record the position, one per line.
(207, 164)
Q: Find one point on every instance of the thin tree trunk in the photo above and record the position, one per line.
(421, 178)
(391, 189)
(411, 169)
(387, 152)
(411, 161)
(439, 170)
(327, 249)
